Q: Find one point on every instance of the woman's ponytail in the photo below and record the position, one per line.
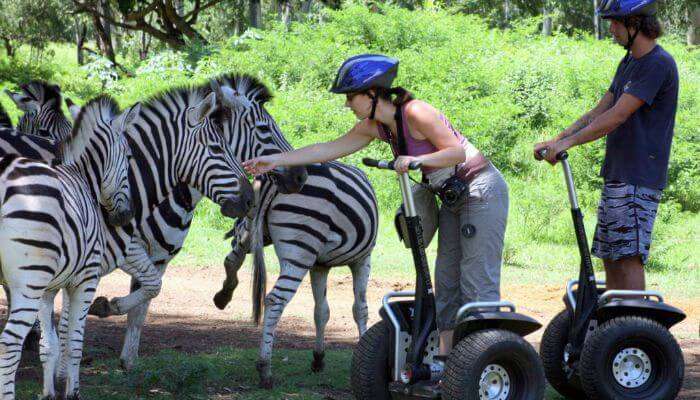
(396, 95)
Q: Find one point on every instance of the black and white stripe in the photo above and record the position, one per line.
(331, 222)
(43, 116)
(52, 237)
(179, 155)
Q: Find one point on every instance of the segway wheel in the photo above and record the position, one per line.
(493, 364)
(553, 355)
(370, 367)
(631, 358)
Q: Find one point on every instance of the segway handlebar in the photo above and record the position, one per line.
(381, 164)
(563, 157)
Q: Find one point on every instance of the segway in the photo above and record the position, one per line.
(612, 344)
(396, 358)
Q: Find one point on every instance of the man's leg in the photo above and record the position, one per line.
(625, 274)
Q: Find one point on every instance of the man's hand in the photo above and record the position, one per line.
(542, 146)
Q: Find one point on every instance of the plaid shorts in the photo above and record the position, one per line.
(625, 220)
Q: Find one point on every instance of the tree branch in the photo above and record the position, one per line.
(195, 13)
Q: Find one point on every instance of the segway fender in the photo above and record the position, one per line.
(510, 321)
(403, 311)
(660, 312)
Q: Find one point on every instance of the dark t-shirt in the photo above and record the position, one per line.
(637, 152)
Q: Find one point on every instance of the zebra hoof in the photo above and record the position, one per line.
(126, 365)
(222, 298)
(263, 368)
(74, 396)
(100, 307)
(318, 364)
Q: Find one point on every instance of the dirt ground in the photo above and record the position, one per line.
(184, 317)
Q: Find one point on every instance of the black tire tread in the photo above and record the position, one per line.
(467, 353)
(552, 355)
(594, 347)
(367, 357)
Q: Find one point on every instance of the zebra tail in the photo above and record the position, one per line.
(259, 280)
(259, 268)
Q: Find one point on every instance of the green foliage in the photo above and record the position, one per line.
(504, 89)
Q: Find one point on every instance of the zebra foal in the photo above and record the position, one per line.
(52, 234)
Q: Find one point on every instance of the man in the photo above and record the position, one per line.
(637, 114)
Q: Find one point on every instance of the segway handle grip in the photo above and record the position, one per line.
(561, 156)
(381, 164)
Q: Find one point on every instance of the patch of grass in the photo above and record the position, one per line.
(225, 374)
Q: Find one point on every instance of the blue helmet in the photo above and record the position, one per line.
(625, 8)
(365, 71)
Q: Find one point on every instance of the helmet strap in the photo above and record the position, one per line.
(630, 38)
(375, 99)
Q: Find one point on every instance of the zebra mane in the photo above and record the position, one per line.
(5, 120)
(248, 86)
(42, 89)
(102, 107)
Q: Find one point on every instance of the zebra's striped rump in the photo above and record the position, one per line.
(52, 237)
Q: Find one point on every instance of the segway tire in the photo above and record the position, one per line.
(370, 367)
(552, 349)
(498, 361)
(631, 358)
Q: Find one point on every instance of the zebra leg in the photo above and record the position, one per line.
(63, 331)
(50, 353)
(286, 286)
(134, 324)
(80, 299)
(31, 342)
(319, 286)
(232, 264)
(139, 265)
(23, 312)
(360, 277)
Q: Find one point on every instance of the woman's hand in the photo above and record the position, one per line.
(402, 162)
(260, 165)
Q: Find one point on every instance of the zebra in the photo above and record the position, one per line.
(331, 222)
(52, 235)
(43, 116)
(249, 131)
(171, 169)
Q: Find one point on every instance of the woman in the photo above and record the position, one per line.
(468, 263)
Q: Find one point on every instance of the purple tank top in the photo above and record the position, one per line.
(416, 147)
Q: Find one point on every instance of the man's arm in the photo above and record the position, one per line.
(599, 127)
(603, 105)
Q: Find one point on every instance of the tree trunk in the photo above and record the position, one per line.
(104, 39)
(179, 6)
(597, 27)
(80, 36)
(306, 6)
(8, 47)
(287, 13)
(255, 14)
(693, 34)
(547, 22)
(506, 11)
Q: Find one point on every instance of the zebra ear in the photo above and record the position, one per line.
(126, 118)
(202, 110)
(22, 101)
